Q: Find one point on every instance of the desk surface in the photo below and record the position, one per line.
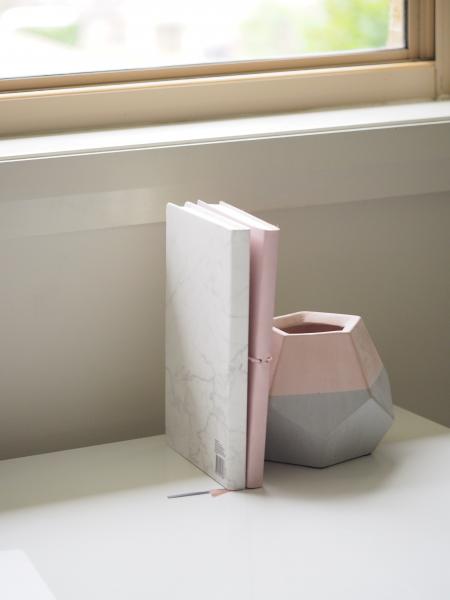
(97, 524)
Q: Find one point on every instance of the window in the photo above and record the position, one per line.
(68, 36)
(84, 63)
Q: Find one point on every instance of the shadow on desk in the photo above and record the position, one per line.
(109, 468)
(360, 476)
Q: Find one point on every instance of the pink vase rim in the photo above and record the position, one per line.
(346, 322)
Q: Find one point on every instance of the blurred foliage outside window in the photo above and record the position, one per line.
(44, 37)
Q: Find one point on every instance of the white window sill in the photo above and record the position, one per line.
(203, 132)
(102, 179)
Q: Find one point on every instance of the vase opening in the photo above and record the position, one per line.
(310, 328)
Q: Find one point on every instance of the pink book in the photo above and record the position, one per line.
(263, 269)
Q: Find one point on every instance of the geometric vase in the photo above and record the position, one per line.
(330, 398)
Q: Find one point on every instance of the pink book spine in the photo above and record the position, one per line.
(264, 257)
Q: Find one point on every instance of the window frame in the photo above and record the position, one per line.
(133, 97)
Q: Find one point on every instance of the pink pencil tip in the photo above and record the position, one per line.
(218, 492)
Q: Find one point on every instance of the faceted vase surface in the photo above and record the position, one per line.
(330, 394)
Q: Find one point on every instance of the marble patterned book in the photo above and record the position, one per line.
(264, 239)
(207, 322)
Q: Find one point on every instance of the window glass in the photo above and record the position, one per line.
(50, 37)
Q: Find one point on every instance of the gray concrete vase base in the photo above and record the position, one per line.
(330, 398)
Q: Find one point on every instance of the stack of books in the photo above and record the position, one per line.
(220, 293)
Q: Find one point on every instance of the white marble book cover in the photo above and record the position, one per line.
(207, 323)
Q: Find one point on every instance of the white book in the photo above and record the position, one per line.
(207, 323)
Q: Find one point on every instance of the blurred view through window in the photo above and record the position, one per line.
(40, 37)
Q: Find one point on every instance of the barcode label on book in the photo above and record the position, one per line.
(220, 466)
(220, 458)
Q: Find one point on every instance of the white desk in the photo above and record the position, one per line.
(97, 524)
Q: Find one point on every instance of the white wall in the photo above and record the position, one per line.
(389, 261)
(82, 338)
(82, 271)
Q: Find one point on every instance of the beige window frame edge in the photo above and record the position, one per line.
(406, 74)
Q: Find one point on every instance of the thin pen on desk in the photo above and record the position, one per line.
(188, 494)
